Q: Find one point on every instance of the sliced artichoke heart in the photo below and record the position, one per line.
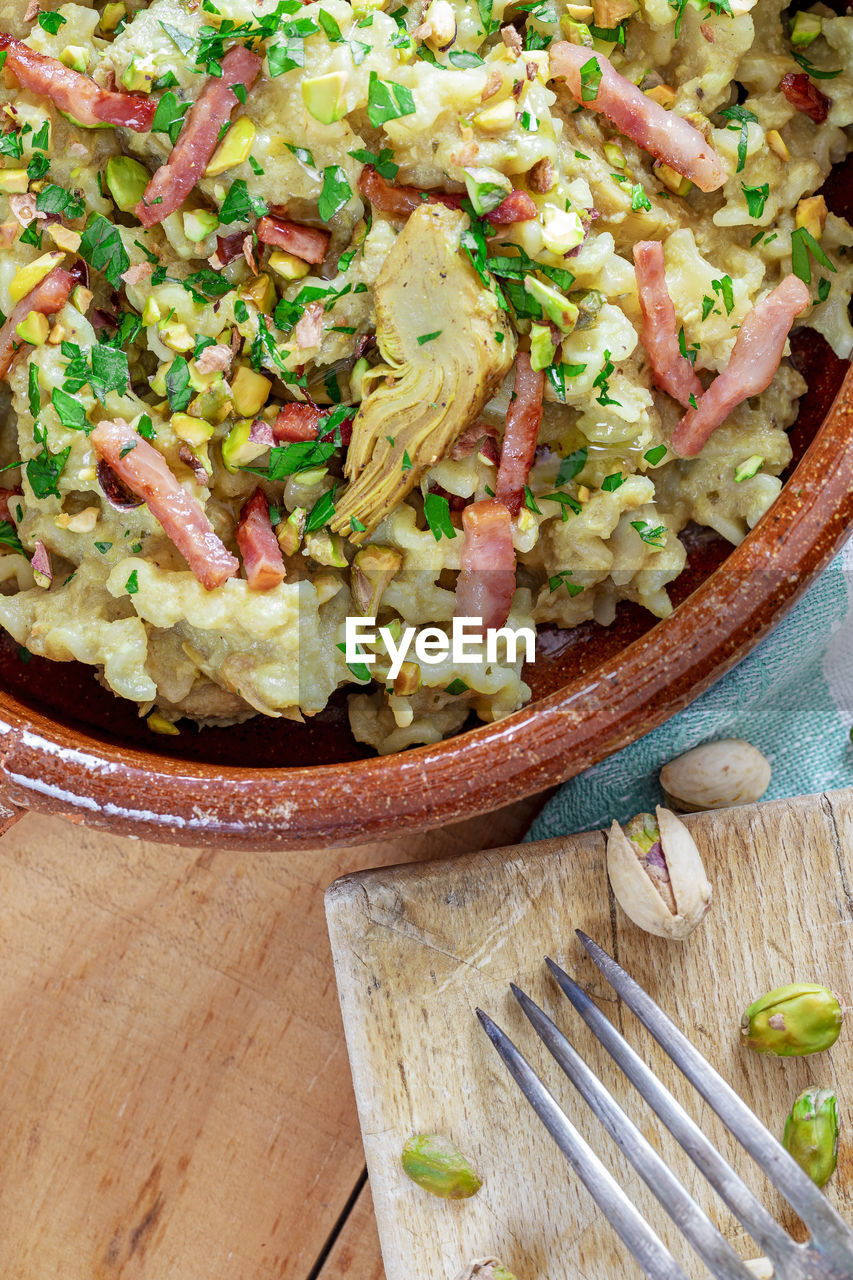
(446, 347)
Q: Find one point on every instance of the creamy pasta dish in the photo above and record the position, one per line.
(461, 309)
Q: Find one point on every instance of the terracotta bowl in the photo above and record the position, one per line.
(69, 747)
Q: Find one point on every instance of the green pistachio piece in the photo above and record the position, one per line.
(811, 1133)
(485, 1269)
(798, 1019)
(127, 180)
(435, 1164)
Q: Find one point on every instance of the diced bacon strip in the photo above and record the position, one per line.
(672, 371)
(147, 474)
(803, 94)
(486, 585)
(480, 436)
(262, 558)
(296, 422)
(229, 247)
(754, 360)
(198, 139)
(400, 202)
(49, 296)
(523, 420)
(6, 496)
(517, 207)
(307, 243)
(664, 134)
(76, 94)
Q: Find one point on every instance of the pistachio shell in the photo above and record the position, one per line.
(716, 775)
(636, 893)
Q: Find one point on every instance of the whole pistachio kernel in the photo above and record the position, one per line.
(436, 1165)
(792, 1021)
(811, 1134)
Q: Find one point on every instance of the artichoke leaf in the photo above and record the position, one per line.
(446, 346)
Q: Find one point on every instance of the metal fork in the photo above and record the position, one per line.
(827, 1255)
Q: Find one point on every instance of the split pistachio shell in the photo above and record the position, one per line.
(435, 1164)
(657, 874)
(792, 1021)
(811, 1134)
(716, 775)
(485, 1269)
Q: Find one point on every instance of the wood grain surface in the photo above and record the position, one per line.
(175, 1098)
(418, 947)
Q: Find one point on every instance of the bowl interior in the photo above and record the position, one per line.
(68, 693)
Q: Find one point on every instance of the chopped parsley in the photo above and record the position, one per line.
(561, 579)
(359, 669)
(51, 22)
(740, 118)
(321, 512)
(9, 537)
(602, 381)
(639, 198)
(290, 459)
(55, 199)
(652, 535)
(44, 470)
(815, 72)
(457, 686)
(132, 584)
(240, 205)
(655, 455)
(590, 80)
(383, 163)
(690, 353)
(387, 100)
(572, 465)
(33, 391)
(437, 513)
(557, 375)
(336, 191)
(566, 501)
(330, 26)
(169, 116)
(206, 284)
(102, 248)
(178, 387)
(429, 337)
(70, 411)
(726, 291)
(756, 198)
(803, 243)
(610, 483)
(179, 39)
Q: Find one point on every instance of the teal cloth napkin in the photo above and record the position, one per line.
(792, 697)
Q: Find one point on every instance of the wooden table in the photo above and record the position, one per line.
(175, 1096)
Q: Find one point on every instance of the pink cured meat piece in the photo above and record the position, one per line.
(147, 474)
(673, 372)
(754, 360)
(486, 585)
(199, 137)
(664, 134)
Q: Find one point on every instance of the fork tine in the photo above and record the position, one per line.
(650, 1253)
(827, 1227)
(763, 1228)
(714, 1250)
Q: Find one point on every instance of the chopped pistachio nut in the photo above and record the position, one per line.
(811, 214)
(372, 569)
(158, 723)
(249, 391)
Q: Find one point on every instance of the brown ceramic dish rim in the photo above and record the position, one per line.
(47, 767)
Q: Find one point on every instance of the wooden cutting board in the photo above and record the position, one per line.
(418, 947)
